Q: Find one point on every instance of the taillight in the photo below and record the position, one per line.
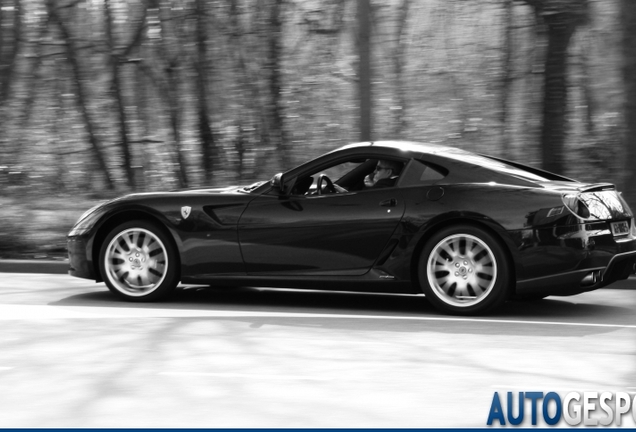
(576, 206)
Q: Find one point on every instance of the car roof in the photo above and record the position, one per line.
(410, 146)
(469, 166)
(416, 148)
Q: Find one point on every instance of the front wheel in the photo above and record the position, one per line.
(138, 262)
(463, 270)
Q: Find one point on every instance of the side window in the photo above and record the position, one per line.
(419, 173)
(342, 175)
(350, 176)
(336, 172)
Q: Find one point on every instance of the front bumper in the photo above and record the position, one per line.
(80, 258)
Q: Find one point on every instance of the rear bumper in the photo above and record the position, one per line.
(582, 280)
(620, 268)
(79, 257)
(571, 259)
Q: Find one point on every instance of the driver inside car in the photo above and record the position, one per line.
(352, 176)
(385, 175)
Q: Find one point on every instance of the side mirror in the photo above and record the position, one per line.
(277, 182)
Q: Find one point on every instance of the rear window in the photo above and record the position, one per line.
(500, 167)
(419, 173)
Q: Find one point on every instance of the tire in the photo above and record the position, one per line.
(464, 270)
(138, 262)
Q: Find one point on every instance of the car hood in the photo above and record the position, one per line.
(229, 190)
(214, 190)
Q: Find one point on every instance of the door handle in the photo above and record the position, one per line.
(389, 203)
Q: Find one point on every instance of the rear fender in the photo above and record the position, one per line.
(481, 221)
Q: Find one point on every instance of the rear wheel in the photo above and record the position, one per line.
(463, 270)
(138, 262)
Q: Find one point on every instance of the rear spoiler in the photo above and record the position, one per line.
(597, 187)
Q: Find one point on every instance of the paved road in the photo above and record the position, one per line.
(71, 355)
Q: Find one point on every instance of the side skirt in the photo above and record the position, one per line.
(318, 283)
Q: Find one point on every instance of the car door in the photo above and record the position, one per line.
(332, 234)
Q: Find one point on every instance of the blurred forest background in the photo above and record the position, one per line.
(104, 97)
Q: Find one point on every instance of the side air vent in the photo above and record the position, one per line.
(386, 253)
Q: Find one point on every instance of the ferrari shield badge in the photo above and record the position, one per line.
(185, 211)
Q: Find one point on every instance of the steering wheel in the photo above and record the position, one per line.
(328, 184)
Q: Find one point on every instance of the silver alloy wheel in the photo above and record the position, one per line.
(461, 270)
(136, 262)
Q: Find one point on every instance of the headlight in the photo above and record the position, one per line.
(89, 211)
(86, 221)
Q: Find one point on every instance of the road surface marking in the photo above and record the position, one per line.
(5, 368)
(37, 312)
(562, 389)
(248, 376)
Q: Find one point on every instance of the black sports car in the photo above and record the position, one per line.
(468, 231)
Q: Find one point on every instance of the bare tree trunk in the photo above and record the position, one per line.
(1, 34)
(588, 95)
(9, 152)
(208, 147)
(628, 24)
(256, 115)
(173, 99)
(37, 63)
(81, 96)
(27, 105)
(55, 140)
(457, 86)
(240, 150)
(116, 87)
(561, 17)
(560, 30)
(167, 96)
(275, 83)
(398, 67)
(506, 80)
(7, 65)
(235, 35)
(146, 120)
(364, 69)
